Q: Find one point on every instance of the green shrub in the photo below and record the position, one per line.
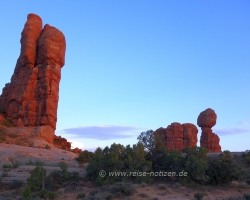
(27, 192)
(37, 179)
(162, 187)
(6, 165)
(47, 146)
(63, 166)
(15, 184)
(56, 178)
(195, 162)
(39, 163)
(29, 162)
(15, 163)
(118, 158)
(162, 160)
(13, 135)
(123, 188)
(81, 195)
(4, 173)
(143, 195)
(223, 169)
(2, 134)
(53, 180)
(7, 123)
(246, 157)
(93, 192)
(248, 178)
(46, 194)
(246, 196)
(198, 196)
(85, 156)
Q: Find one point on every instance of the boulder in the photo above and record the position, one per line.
(207, 118)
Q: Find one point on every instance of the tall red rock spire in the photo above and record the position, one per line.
(31, 98)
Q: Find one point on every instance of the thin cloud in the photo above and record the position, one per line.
(101, 132)
(244, 123)
(230, 131)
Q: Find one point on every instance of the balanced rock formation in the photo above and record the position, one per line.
(206, 120)
(31, 98)
(177, 136)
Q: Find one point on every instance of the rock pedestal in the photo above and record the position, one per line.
(206, 120)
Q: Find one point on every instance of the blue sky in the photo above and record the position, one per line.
(132, 66)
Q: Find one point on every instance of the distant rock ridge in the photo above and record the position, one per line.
(206, 120)
(31, 98)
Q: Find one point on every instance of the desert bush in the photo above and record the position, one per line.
(13, 135)
(118, 158)
(143, 195)
(122, 187)
(37, 179)
(4, 173)
(15, 184)
(27, 192)
(29, 162)
(6, 165)
(39, 163)
(53, 180)
(63, 166)
(81, 195)
(246, 158)
(45, 194)
(248, 178)
(7, 123)
(162, 187)
(15, 163)
(58, 177)
(246, 196)
(163, 160)
(47, 146)
(223, 169)
(2, 134)
(198, 196)
(195, 162)
(85, 156)
(93, 192)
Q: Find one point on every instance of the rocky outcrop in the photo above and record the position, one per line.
(206, 120)
(31, 98)
(61, 143)
(189, 134)
(177, 136)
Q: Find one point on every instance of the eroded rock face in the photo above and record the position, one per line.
(190, 132)
(177, 136)
(31, 98)
(206, 120)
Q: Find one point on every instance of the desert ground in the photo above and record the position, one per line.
(51, 158)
